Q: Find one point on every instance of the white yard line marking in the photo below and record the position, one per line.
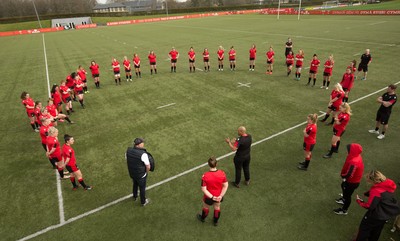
(356, 54)
(163, 106)
(199, 69)
(323, 112)
(60, 199)
(174, 177)
(377, 23)
(306, 67)
(244, 85)
(58, 182)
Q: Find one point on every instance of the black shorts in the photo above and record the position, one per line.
(312, 72)
(209, 201)
(327, 74)
(288, 64)
(68, 99)
(127, 70)
(206, 60)
(174, 60)
(59, 104)
(383, 117)
(44, 147)
(308, 147)
(80, 92)
(269, 62)
(95, 75)
(220, 59)
(84, 81)
(299, 66)
(334, 108)
(191, 60)
(137, 66)
(116, 72)
(251, 59)
(72, 169)
(345, 89)
(153, 63)
(362, 67)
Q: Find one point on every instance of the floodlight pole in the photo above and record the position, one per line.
(279, 8)
(298, 14)
(166, 7)
(37, 15)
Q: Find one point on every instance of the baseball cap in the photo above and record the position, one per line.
(138, 141)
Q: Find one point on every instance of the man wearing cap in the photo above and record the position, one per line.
(138, 167)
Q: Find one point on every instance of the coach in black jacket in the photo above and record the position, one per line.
(138, 165)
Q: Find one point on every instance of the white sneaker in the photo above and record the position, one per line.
(322, 87)
(393, 230)
(252, 69)
(374, 131)
(327, 88)
(381, 136)
(249, 69)
(146, 202)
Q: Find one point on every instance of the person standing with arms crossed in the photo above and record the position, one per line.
(173, 56)
(310, 138)
(214, 186)
(138, 160)
(242, 146)
(387, 101)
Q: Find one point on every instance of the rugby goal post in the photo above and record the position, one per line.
(287, 1)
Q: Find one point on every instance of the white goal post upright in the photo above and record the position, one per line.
(279, 8)
(298, 14)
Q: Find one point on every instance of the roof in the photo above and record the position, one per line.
(110, 5)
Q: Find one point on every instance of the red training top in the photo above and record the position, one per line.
(311, 130)
(344, 119)
(52, 142)
(353, 167)
(68, 152)
(213, 180)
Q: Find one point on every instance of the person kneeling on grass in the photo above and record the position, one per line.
(214, 186)
(69, 161)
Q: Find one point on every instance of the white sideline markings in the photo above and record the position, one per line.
(58, 182)
(322, 112)
(163, 106)
(377, 23)
(307, 67)
(244, 85)
(200, 69)
(174, 177)
(356, 54)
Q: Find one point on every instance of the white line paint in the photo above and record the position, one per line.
(174, 177)
(200, 69)
(60, 199)
(323, 112)
(356, 54)
(306, 67)
(244, 85)
(163, 106)
(58, 182)
(377, 23)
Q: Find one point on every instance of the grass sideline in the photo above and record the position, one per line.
(281, 204)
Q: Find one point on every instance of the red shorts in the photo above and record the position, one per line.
(338, 133)
(30, 113)
(72, 168)
(308, 147)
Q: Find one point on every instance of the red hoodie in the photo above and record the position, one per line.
(353, 167)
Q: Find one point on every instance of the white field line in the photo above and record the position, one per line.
(307, 67)
(174, 177)
(163, 106)
(58, 182)
(322, 112)
(199, 69)
(356, 54)
(277, 34)
(377, 23)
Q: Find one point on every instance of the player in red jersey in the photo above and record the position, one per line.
(220, 55)
(335, 101)
(29, 104)
(78, 89)
(328, 72)
(55, 94)
(94, 68)
(299, 64)
(38, 112)
(232, 58)
(66, 97)
(313, 69)
(353, 66)
(117, 71)
(54, 151)
(128, 69)
(82, 74)
(206, 60)
(310, 138)
(214, 186)
(153, 62)
(69, 161)
(289, 62)
(70, 83)
(173, 56)
(136, 65)
(252, 58)
(52, 110)
(192, 59)
(46, 124)
(339, 128)
(347, 83)
(270, 60)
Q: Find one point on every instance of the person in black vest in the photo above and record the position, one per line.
(241, 145)
(138, 167)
